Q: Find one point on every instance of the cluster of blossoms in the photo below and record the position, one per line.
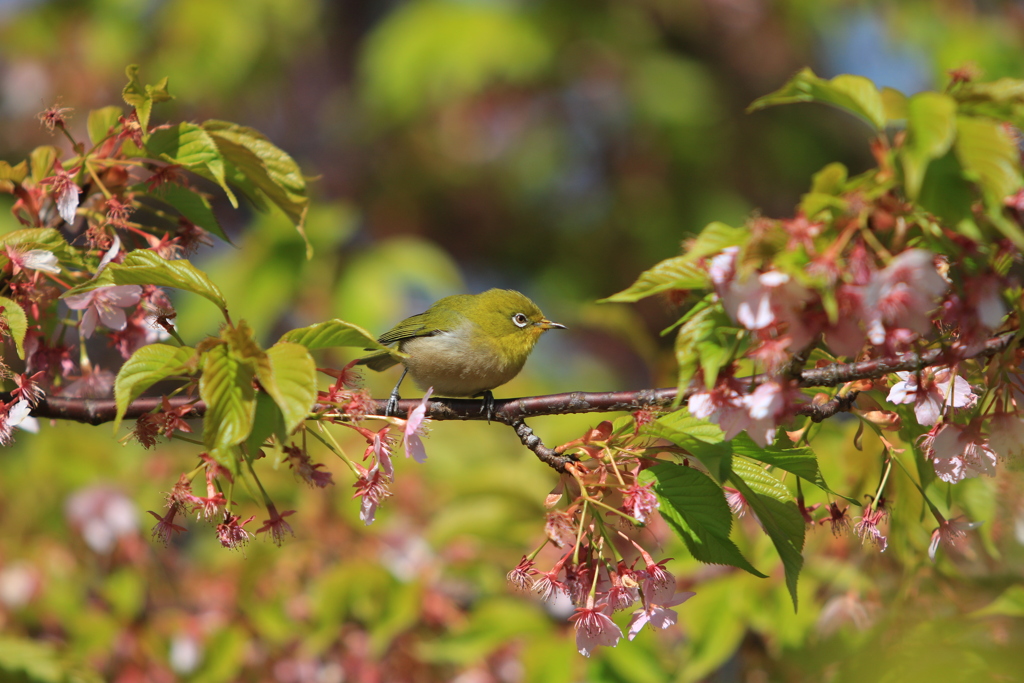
(855, 301)
(605, 498)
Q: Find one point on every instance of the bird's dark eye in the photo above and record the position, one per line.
(520, 320)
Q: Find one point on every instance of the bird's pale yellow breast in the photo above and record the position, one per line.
(460, 362)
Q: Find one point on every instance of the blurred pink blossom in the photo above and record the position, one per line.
(960, 452)
(903, 294)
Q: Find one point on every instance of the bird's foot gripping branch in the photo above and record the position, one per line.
(891, 296)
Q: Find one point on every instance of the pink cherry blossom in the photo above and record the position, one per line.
(33, 259)
(949, 533)
(1006, 434)
(765, 299)
(372, 487)
(722, 268)
(723, 405)
(939, 388)
(416, 428)
(903, 294)
(639, 502)
(103, 305)
(66, 192)
(767, 405)
(657, 616)
(867, 527)
(737, 502)
(960, 452)
(594, 628)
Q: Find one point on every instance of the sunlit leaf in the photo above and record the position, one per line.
(674, 273)
(12, 175)
(830, 179)
(989, 157)
(226, 387)
(931, 128)
(143, 97)
(193, 148)
(894, 103)
(265, 166)
(17, 323)
(714, 238)
(330, 333)
(799, 461)
(41, 159)
(101, 121)
(695, 507)
(854, 94)
(760, 480)
(697, 338)
(147, 366)
(288, 374)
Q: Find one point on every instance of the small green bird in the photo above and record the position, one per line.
(464, 345)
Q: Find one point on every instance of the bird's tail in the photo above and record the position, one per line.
(381, 360)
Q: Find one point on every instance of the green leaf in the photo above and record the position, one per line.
(192, 147)
(226, 387)
(760, 480)
(680, 425)
(12, 175)
(830, 180)
(799, 461)
(895, 104)
(695, 507)
(267, 167)
(17, 323)
(267, 422)
(714, 238)
(144, 267)
(101, 121)
(783, 524)
(679, 272)
(931, 129)
(854, 94)
(989, 157)
(147, 366)
(1009, 604)
(700, 438)
(330, 333)
(288, 374)
(696, 335)
(192, 205)
(41, 159)
(143, 97)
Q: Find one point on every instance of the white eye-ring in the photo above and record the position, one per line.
(520, 320)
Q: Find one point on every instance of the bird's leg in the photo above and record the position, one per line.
(488, 407)
(392, 406)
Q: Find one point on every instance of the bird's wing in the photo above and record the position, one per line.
(407, 329)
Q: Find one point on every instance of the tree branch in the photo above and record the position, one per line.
(512, 411)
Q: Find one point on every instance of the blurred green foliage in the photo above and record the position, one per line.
(558, 147)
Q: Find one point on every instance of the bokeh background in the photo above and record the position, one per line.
(558, 147)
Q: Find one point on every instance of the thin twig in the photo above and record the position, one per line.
(549, 456)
